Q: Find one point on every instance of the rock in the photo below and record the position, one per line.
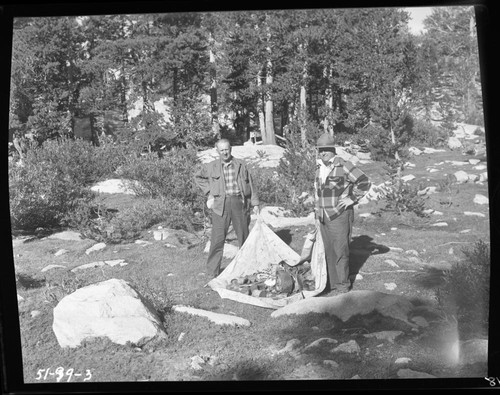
(470, 214)
(474, 161)
(414, 151)
(427, 191)
(483, 177)
(384, 335)
(408, 177)
(347, 305)
(465, 231)
(454, 143)
(115, 262)
(356, 377)
(66, 235)
(480, 167)
(413, 374)
(440, 224)
(277, 217)
(351, 347)
(219, 319)
(111, 309)
(365, 215)
(61, 252)
(481, 199)
(160, 234)
(88, 266)
(142, 243)
(474, 350)
(49, 267)
(35, 313)
(412, 252)
(473, 177)
(318, 342)
(461, 177)
(390, 286)
(19, 298)
(95, 247)
(402, 360)
(428, 150)
(115, 186)
(359, 277)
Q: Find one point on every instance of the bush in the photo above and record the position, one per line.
(170, 180)
(52, 181)
(425, 133)
(466, 291)
(291, 185)
(98, 223)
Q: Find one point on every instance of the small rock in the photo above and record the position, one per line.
(408, 177)
(390, 286)
(414, 151)
(35, 313)
(88, 266)
(355, 377)
(359, 277)
(454, 143)
(435, 212)
(49, 267)
(396, 249)
(402, 360)
(440, 224)
(350, 347)
(461, 176)
(474, 161)
(365, 215)
(412, 252)
(290, 346)
(19, 298)
(196, 361)
(181, 336)
(394, 228)
(483, 177)
(61, 252)
(480, 167)
(142, 243)
(95, 247)
(465, 231)
(318, 342)
(470, 214)
(481, 199)
(115, 262)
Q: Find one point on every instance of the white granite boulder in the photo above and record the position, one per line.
(111, 309)
(350, 304)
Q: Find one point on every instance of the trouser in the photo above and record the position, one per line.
(336, 235)
(234, 212)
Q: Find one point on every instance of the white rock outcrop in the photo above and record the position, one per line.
(111, 309)
(218, 318)
(347, 305)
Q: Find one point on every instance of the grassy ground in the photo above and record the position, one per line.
(168, 276)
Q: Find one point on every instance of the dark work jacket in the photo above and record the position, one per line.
(210, 178)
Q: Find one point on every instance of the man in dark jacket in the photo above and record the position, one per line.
(228, 185)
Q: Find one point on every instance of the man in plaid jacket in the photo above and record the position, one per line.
(228, 185)
(339, 185)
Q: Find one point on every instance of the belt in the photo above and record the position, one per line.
(233, 194)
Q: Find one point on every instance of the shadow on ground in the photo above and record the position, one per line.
(361, 248)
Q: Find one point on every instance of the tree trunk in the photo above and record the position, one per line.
(260, 107)
(327, 73)
(269, 137)
(213, 91)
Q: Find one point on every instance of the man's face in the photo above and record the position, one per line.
(325, 154)
(224, 150)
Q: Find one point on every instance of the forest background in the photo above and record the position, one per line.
(152, 90)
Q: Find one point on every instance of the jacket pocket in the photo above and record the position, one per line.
(215, 188)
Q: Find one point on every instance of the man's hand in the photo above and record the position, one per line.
(345, 202)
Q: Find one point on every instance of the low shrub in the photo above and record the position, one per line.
(466, 291)
(425, 133)
(96, 222)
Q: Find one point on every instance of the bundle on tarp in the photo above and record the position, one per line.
(264, 252)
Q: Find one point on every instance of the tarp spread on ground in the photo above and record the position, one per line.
(266, 272)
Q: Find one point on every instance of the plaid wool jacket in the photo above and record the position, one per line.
(344, 180)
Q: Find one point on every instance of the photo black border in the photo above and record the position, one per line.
(11, 373)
